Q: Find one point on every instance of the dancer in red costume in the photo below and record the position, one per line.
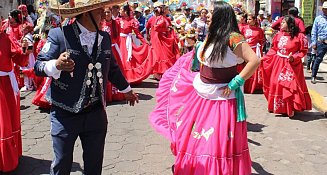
(283, 80)
(163, 39)
(113, 28)
(10, 128)
(134, 58)
(242, 20)
(254, 35)
(13, 27)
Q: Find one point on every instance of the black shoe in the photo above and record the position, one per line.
(173, 168)
(313, 80)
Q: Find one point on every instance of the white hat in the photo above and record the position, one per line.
(146, 8)
(261, 12)
(138, 9)
(324, 5)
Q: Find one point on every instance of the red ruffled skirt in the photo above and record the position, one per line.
(10, 127)
(254, 83)
(165, 51)
(42, 88)
(139, 67)
(112, 91)
(284, 86)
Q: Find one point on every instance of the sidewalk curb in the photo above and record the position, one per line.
(318, 101)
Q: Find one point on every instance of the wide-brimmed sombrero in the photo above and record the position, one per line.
(73, 8)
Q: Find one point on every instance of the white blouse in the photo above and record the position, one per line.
(212, 91)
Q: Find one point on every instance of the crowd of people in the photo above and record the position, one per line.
(202, 57)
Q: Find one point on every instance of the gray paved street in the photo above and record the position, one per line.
(278, 145)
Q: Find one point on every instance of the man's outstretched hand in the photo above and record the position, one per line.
(131, 98)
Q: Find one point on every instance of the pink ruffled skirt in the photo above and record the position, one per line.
(204, 134)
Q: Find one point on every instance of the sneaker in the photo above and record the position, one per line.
(23, 89)
(313, 80)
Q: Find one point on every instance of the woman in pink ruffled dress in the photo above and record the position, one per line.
(203, 113)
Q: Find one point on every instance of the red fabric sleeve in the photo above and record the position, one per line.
(273, 50)
(276, 25)
(135, 25)
(303, 48)
(300, 25)
(161, 25)
(17, 55)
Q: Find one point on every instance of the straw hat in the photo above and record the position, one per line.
(157, 4)
(76, 7)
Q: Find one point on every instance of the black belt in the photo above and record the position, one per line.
(92, 107)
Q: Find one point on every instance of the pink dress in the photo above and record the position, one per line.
(200, 124)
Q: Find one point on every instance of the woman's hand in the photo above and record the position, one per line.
(226, 91)
(290, 57)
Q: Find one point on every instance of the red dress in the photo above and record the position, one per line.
(15, 34)
(134, 58)
(255, 37)
(42, 84)
(241, 26)
(112, 91)
(10, 127)
(164, 46)
(283, 82)
(149, 25)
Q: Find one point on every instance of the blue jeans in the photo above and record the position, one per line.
(66, 127)
(321, 51)
(310, 60)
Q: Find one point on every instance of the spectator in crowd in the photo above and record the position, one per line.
(32, 13)
(139, 16)
(260, 17)
(147, 13)
(319, 40)
(200, 25)
(115, 11)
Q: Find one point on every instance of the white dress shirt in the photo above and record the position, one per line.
(87, 38)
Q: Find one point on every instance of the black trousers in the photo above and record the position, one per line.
(90, 126)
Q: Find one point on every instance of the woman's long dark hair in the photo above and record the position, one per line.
(223, 23)
(292, 28)
(17, 15)
(114, 29)
(127, 9)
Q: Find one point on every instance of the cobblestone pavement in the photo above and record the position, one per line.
(278, 145)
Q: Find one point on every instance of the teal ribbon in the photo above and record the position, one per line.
(235, 84)
(195, 63)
